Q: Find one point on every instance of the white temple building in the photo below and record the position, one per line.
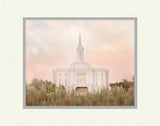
(81, 76)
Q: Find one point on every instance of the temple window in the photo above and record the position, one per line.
(55, 78)
(59, 78)
(102, 78)
(96, 78)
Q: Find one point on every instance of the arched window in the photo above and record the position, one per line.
(55, 78)
(59, 78)
(96, 79)
(81, 78)
(77, 77)
(84, 77)
(102, 78)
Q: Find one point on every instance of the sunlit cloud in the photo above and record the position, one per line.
(52, 43)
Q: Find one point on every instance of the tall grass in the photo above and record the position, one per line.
(58, 96)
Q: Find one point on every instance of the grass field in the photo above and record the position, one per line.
(40, 93)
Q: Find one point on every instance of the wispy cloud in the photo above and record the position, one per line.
(52, 43)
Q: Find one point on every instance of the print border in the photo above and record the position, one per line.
(79, 18)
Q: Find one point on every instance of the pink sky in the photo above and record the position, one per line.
(52, 43)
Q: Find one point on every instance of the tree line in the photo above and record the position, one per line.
(45, 93)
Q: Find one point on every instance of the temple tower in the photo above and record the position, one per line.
(80, 50)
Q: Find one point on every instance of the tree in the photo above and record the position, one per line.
(37, 84)
(50, 87)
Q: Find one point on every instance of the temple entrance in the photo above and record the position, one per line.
(81, 90)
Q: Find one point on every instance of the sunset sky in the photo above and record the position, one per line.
(52, 43)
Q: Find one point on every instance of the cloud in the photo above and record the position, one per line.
(52, 43)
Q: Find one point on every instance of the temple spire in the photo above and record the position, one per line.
(79, 38)
(80, 50)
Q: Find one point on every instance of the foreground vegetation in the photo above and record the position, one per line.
(45, 93)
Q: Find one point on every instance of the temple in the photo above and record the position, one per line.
(81, 76)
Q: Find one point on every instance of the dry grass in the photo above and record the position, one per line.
(42, 95)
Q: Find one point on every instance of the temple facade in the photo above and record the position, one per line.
(81, 76)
